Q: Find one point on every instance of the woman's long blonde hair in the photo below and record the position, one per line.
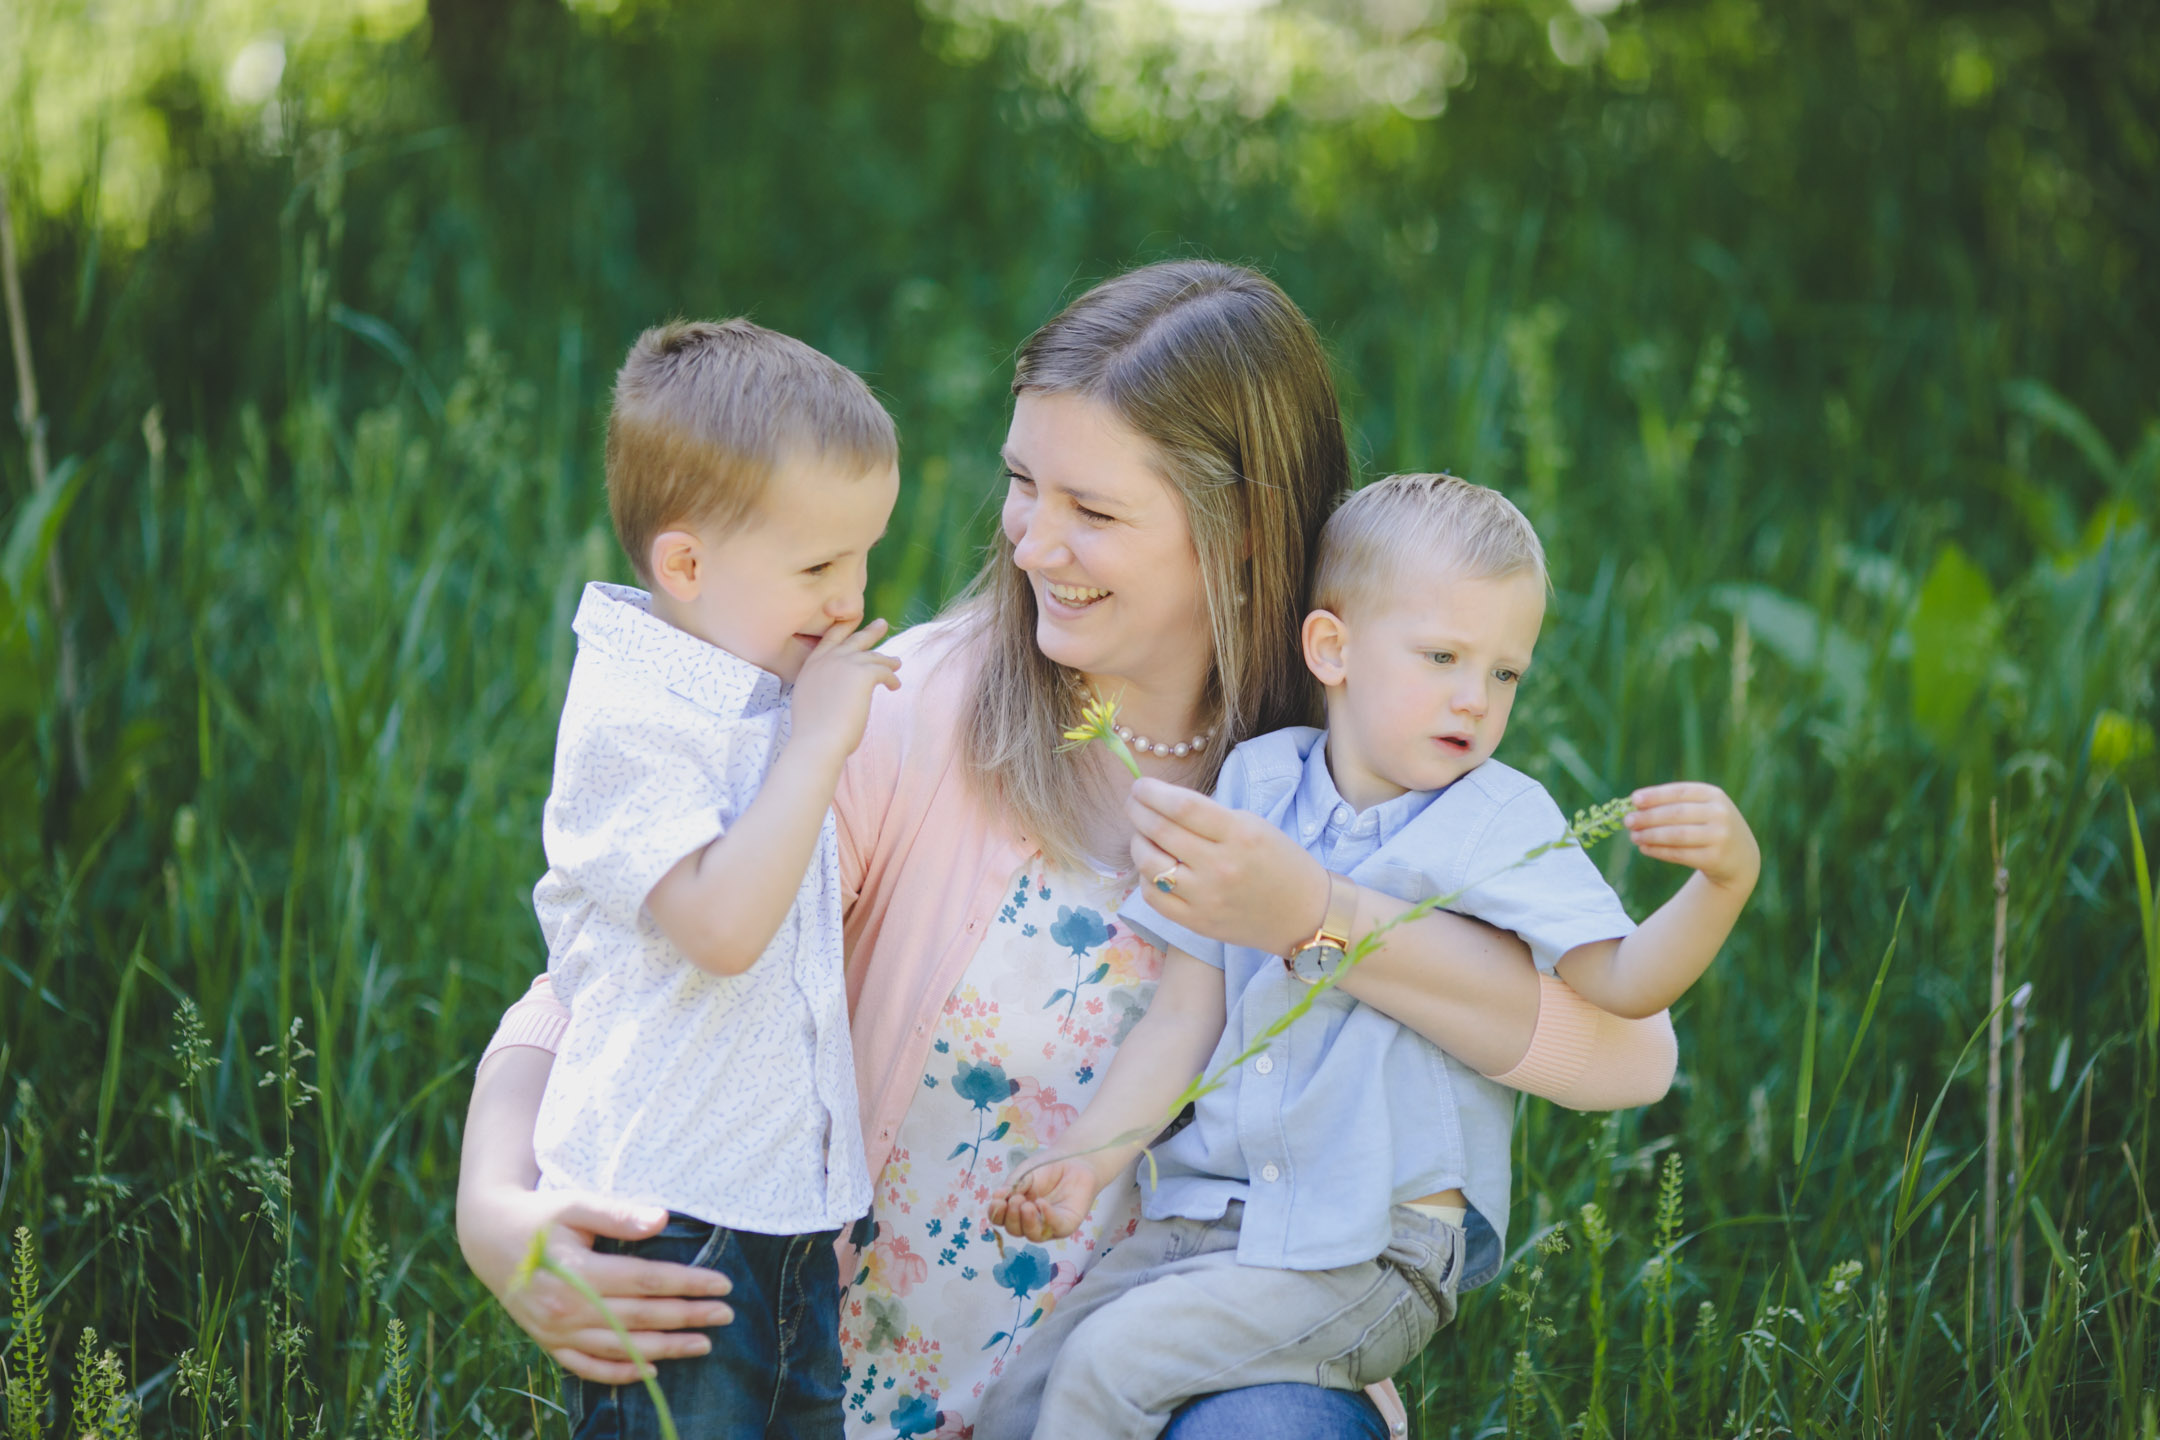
(1216, 367)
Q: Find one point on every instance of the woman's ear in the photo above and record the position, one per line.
(677, 558)
(1322, 636)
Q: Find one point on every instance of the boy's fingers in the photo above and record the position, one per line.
(1672, 792)
(1674, 813)
(869, 635)
(1678, 836)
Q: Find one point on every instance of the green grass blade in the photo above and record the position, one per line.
(1807, 1053)
(2054, 1239)
(116, 1048)
(1867, 1018)
(2148, 901)
(1910, 1184)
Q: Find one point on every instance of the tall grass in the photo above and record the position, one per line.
(1858, 521)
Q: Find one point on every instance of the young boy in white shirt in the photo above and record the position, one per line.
(692, 899)
(1317, 1218)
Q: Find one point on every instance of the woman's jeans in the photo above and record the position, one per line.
(1279, 1412)
(773, 1374)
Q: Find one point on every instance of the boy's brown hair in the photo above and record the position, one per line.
(1432, 522)
(706, 411)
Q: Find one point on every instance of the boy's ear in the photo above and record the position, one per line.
(677, 559)
(1322, 638)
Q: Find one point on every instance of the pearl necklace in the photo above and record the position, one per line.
(1156, 748)
(1140, 743)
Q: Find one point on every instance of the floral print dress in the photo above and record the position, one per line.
(936, 1309)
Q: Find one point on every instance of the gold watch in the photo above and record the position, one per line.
(1323, 955)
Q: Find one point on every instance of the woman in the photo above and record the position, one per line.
(1174, 448)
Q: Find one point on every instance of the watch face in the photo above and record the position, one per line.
(1315, 963)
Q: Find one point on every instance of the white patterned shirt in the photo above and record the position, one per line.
(727, 1097)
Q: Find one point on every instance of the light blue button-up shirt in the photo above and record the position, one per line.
(1348, 1112)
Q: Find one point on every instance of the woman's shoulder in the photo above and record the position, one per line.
(951, 635)
(938, 664)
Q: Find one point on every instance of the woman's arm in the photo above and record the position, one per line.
(1468, 988)
(499, 1212)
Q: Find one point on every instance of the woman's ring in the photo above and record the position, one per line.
(1165, 881)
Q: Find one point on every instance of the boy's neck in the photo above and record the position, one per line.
(1354, 780)
(666, 607)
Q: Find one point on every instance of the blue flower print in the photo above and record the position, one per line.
(982, 1086)
(1023, 1272)
(916, 1415)
(1080, 931)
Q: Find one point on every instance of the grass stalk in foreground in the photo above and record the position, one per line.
(537, 1259)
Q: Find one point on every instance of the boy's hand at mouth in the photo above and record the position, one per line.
(1697, 825)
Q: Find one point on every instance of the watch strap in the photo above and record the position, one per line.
(1334, 929)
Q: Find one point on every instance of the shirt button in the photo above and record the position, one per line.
(1270, 1173)
(1264, 1064)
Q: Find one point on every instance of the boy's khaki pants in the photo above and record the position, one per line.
(1169, 1314)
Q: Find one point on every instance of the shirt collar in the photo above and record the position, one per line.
(617, 620)
(1318, 802)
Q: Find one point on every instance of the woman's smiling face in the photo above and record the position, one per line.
(1105, 545)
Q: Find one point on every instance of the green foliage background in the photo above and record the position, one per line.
(1818, 339)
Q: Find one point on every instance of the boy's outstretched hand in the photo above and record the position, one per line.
(1048, 1202)
(1696, 825)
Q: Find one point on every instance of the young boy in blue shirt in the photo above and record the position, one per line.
(1317, 1218)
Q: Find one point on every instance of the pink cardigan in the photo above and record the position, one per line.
(924, 866)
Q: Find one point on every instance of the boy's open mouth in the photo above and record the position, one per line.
(1460, 744)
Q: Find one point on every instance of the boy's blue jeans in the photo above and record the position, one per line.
(774, 1374)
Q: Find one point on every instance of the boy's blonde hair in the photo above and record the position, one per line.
(1430, 522)
(705, 411)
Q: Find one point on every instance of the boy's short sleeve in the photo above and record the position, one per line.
(1557, 901)
(632, 796)
(1166, 935)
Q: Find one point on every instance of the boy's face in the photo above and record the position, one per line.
(1420, 685)
(768, 589)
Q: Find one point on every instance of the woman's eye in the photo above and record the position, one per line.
(1017, 478)
(1092, 515)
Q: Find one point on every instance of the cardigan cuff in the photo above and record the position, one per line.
(534, 1021)
(1560, 1046)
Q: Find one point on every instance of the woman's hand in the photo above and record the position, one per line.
(498, 1212)
(662, 1305)
(1238, 879)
